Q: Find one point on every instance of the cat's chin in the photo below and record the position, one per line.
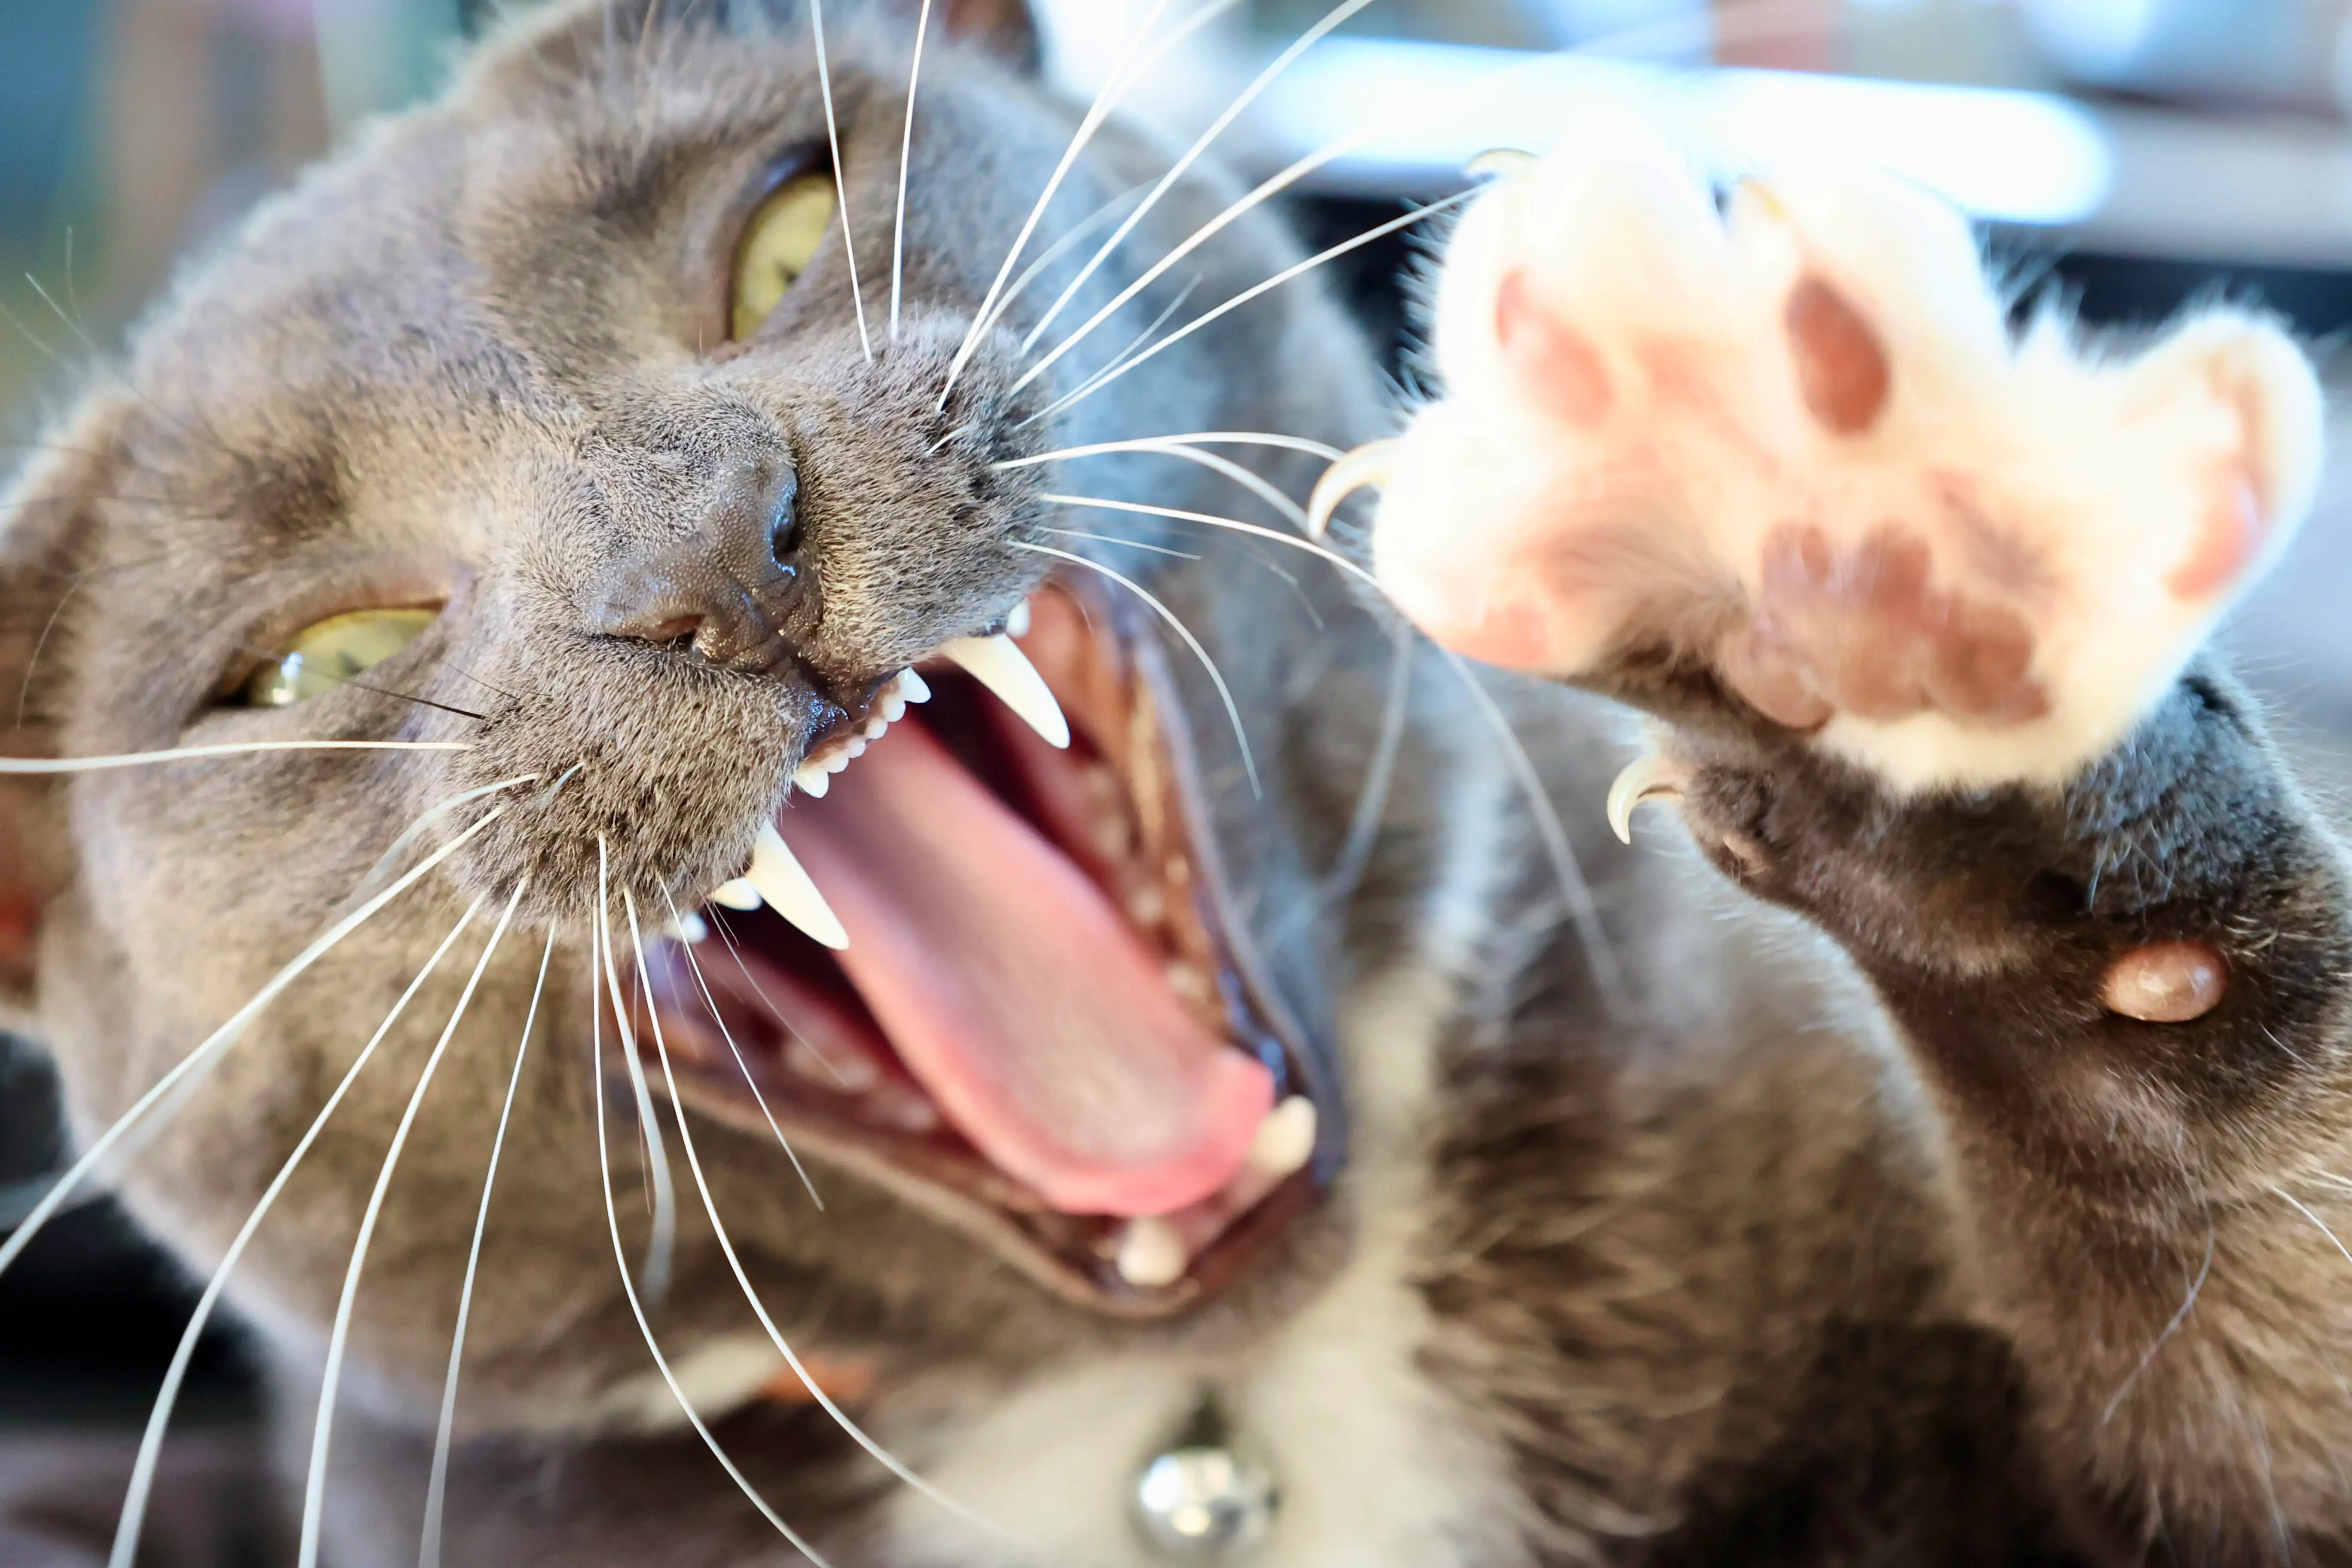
(771, 1033)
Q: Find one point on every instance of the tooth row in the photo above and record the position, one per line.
(815, 776)
(1152, 1253)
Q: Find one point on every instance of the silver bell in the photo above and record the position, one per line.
(1198, 1504)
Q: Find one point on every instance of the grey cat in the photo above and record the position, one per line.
(1246, 1075)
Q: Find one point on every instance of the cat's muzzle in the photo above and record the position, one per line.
(1005, 979)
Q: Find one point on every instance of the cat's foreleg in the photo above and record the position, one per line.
(1921, 603)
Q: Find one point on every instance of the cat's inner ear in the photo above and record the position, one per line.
(49, 523)
(1006, 28)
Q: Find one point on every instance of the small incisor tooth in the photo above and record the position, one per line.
(1286, 1138)
(1151, 1253)
(786, 889)
(999, 664)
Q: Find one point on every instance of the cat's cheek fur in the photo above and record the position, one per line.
(50, 521)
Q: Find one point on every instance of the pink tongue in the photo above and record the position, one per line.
(1017, 994)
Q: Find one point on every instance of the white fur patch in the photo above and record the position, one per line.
(1375, 1465)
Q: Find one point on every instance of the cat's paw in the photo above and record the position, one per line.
(1796, 440)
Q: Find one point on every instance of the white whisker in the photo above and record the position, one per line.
(1111, 366)
(314, 1490)
(190, 1068)
(1297, 269)
(159, 1416)
(1248, 479)
(1324, 450)
(428, 1552)
(1224, 692)
(1578, 893)
(1114, 87)
(759, 1308)
(840, 176)
(906, 161)
(1371, 802)
(1249, 95)
(391, 858)
(1051, 253)
(1759, 22)
(725, 1034)
(734, 951)
(637, 1310)
(1124, 543)
(189, 753)
(662, 1239)
(2314, 1219)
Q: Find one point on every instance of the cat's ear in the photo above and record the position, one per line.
(49, 521)
(1004, 27)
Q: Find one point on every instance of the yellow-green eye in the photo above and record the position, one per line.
(327, 655)
(778, 243)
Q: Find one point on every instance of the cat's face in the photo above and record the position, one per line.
(498, 364)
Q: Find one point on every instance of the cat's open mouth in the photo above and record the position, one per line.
(1041, 1030)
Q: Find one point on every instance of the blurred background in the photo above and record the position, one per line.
(2131, 155)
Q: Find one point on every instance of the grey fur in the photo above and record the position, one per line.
(1784, 1267)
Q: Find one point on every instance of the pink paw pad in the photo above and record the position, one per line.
(1799, 440)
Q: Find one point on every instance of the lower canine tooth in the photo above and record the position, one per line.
(1017, 623)
(787, 889)
(999, 664)
(1151, 1253)
(738, 894)
(913, 687)
(689, 927)
(1286, 1138)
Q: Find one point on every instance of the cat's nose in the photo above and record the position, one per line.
(733, 593)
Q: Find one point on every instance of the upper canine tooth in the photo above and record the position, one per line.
(787, 889)
(813, 779)
(913, 687)
(738, 894)
(999, 664)
(1017, 623)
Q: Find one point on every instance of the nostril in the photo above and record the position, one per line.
(672, 629)
(785, 535)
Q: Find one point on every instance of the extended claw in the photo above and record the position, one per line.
(1503, 163)
(1371, 464)
(1650, 778)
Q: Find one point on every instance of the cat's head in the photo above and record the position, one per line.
(546, 423)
